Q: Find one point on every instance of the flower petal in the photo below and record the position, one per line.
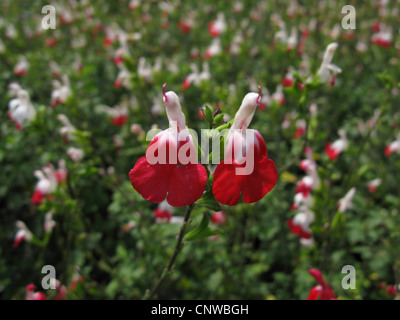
(261, 181)
(226, 185)
(151, 181)
(187, 184)
(314, 293)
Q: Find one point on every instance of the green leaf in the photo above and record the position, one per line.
(208, 201)
(219, 119)
(208, 115)
(202, 231)
(338, 220)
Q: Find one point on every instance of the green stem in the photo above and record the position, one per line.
(178, 246)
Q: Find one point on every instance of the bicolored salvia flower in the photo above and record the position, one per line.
(301, 128)
(23, 233)
(328, 71)
(76, 278)
(300, 199)
(20, 109)
(322, 291)
(373, 184)
(278, 95)
(288, 80)
(30, 293)
(134, 4)
(22, 66)
(300, 224)
(46, 185)
(61, 291)
(185, 25)
(310, 166)
(219, 218)
(196, 77)
(62, 172)
(170, 170)
(346, 203)
(123, 78)
(214, 49)
(246, 169)
(67, 131)
(215, 28)
(337, 147)
(164, 212)
(304, 186)
(384, 37)
(61, 91)
(118, 114)
(393, 147)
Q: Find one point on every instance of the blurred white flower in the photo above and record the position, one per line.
(75, 154)
(327, 70)
(20, 109)
(346, 203)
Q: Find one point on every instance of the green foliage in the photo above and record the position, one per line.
(106, 232)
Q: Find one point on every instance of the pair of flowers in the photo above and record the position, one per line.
(183, 182)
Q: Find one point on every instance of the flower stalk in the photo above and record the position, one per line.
(178, 246)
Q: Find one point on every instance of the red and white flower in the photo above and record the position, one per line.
(322, 291)
(219, 218)
(373, 184)
(46, 185)
(302, 200)
(214, 49)
(196, 77)
(123, 78)
(170, 170)
(334, 149)
(118, 114)
(164, 212)
(246, 169)
(62, 172)
(301, 128)
(300, 224)
(384, 37)
(32, 295)
(393, 147)
(288, 80)
(22, 67)
(23, 233)
(278, 95)
(76, 278)
(215, 28)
